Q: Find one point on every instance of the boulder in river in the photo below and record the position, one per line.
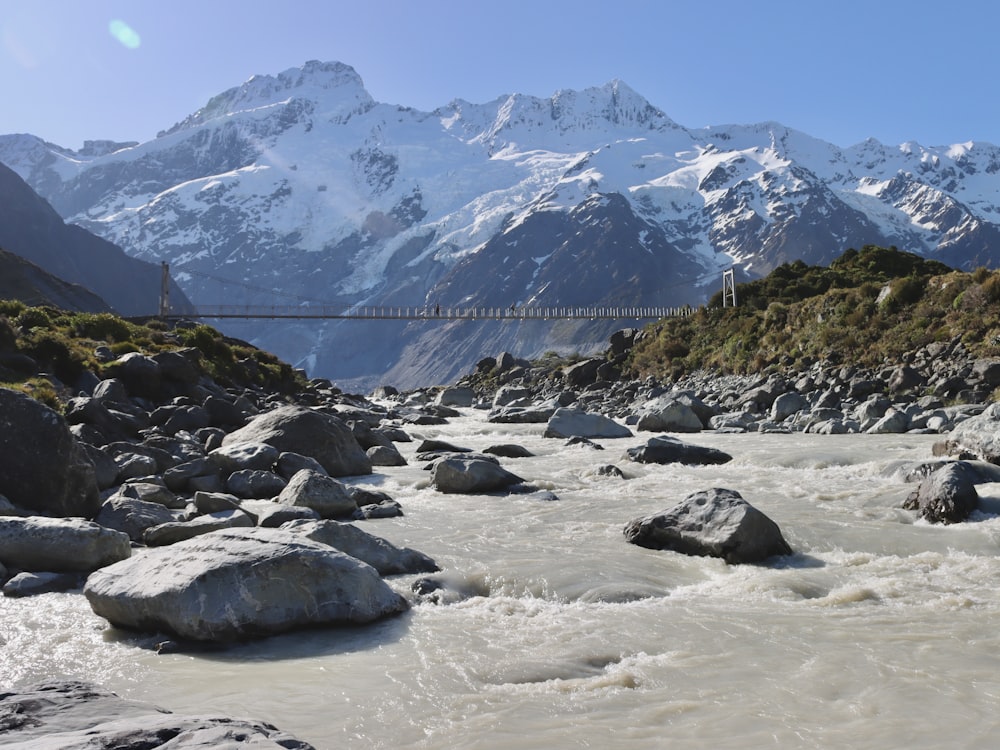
(668, 414)
(32, 584)
(508, 450)
(35, 543)
(948, 495)
(711, 523)
(569, 422)
(977, 435)
(240, 583)
(459, 474)
(385, 557)
(664, 449)
(535, 414)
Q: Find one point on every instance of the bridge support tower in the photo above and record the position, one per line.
(728, 288)
(164, 290)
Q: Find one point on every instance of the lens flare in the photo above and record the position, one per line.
(125, 34)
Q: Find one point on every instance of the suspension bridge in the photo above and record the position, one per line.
(312, 310)
(303, 312)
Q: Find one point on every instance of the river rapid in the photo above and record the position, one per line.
(880, 631)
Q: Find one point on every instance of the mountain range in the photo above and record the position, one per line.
(299, 188)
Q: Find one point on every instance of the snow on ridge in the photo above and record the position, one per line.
(472, 167)
(336, 85)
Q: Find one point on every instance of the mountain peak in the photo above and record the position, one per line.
(335, 87)
(615, 102)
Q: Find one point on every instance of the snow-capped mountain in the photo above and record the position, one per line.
(304, 190)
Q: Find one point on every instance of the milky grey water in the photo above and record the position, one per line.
(879, 632)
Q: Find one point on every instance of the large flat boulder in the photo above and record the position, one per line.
(60, 714)
(240, 583)
(173, 532)
(59, 544)
(42, 467)
(568, 422)
(536, 414)
(307, 432)
(711, 523)
(664, 449)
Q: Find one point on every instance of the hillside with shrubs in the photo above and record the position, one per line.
(868, 308)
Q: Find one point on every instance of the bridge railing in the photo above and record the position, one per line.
(434, 312)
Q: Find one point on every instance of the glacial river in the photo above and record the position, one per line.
(879, 632)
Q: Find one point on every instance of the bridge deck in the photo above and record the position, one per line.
(433, 313)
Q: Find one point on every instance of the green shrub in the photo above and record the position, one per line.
(39, 388)
(55, 352)
(902, 292)
(8, 336)
(991, 288)
(11, 308)
(34, 317)
(121, 348)
(102, 327)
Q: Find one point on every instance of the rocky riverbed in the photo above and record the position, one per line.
(183, 510)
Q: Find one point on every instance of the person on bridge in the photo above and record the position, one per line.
(437, 310)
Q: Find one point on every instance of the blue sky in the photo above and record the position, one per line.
(894, 70)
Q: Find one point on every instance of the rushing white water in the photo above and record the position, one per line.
(879, 632)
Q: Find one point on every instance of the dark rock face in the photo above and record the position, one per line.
(64, 714)
(711, 523)
(946, 496)
(31, 228)
(42, 467)
(664, 449)
(23, 280)
(309, 433)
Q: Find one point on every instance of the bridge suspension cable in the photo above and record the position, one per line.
(432, 313)
(309, 308)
